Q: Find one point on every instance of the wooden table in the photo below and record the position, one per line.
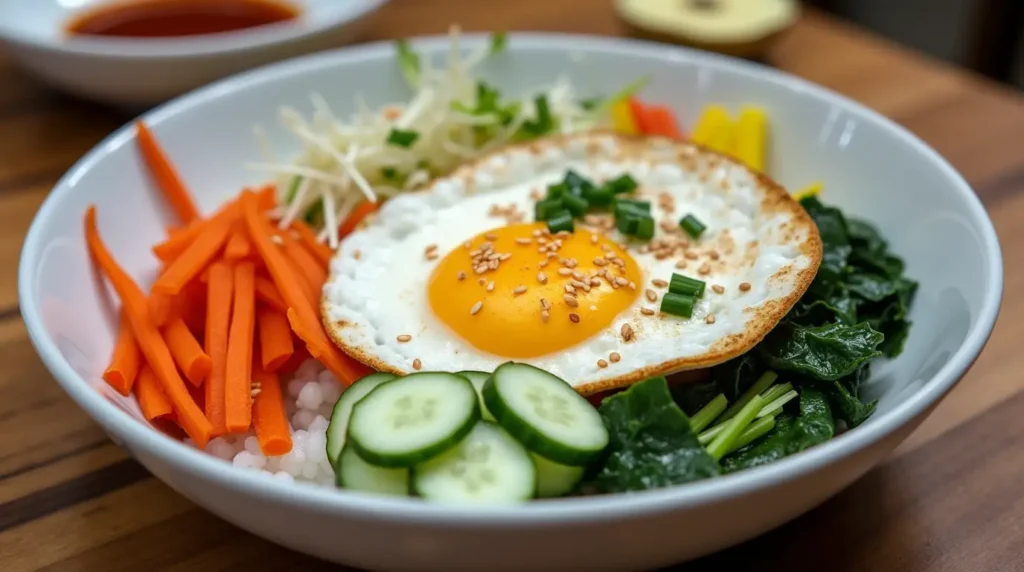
(947, 500)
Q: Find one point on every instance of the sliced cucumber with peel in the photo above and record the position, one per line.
(352, 472)
(338, 426)
(487, 467)
(413, 418)
(478, 379)
(545, 414)
(553, 479)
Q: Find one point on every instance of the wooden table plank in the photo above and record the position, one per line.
(945, 501)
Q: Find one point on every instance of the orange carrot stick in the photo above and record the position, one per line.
(195, 258)
(314, 272)
(191, 306)
(186, 351)
(171, 248)
(220, 291)
(165, 174)
(275, 338)
(355, 217)
(346, 369)
(268, 417)
(150, 395)
(299, 356)
(238, 246)
(124, 363)
(266, 292)
(238, 371)
(151, 343)
(311, 292)
(321, 251)
(160, 308)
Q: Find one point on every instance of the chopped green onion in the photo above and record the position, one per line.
(547, 208)
(389, 173)
(753, 432)
(293, 189)
(692, 226)
(408, 62)
(762, 383)
(498, 42)
(314, 215)
(708, 413)
(557, 190)
(402, 138)
(633, 206)
(576, 182)
(645, 228)
(560, 221)
(776, 406)
(622, 184)
(598, 196)
(685, 285)
(726, 440)
(627, 223)
(543, 123)
(577, 205)
(776, 391)
(678, 304)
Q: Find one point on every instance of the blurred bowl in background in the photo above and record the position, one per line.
(142, 71)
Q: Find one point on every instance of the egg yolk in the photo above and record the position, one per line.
(518, 291)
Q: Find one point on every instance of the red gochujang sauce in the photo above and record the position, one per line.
(169, 18)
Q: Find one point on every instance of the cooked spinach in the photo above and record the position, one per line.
(650, 444)
(826, 352)
(791, 434)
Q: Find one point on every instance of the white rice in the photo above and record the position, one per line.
(309, 397)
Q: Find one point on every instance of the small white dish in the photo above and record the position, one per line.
(871, 167)
(146, 71)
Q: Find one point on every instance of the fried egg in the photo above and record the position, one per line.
(460, 276)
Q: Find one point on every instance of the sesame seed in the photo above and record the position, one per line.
(255, 392)
(480, 269)
(542, 278)
(744, 287)
(467, 245)
(490, 286)
(493, 264)
(504, 256)
(432, 255)
(551, 255)
(417, 364)
(595, 281)
(659, 283)
(662, 254)
(627, 332)
(404, 338)
(681, 264)
(276, 239)
(537, 233)
(593, 239)
(614, 357)
(461, 275)
(564, 272)
(476, 308)
(519, 290)
(580, 285)
(544, 315)
(710, 319)
(536, 195)
(577, 275)
(593, 308)
(620, 281)
(647, 311)
(632, 285)
(563, 233)
(542, 263)
(619, 262)
(704, 269)
(430, 248)
(713, 254)
(718, 288)
(524, 241)
(481, 281)
(600, 262)
(574, 317)
(491, 236)
(569, 289)
(544, 304)
(493, 256)
(357, 254)
(602, 364)
(690, 255)
(606, 248)
(571, 301)
(652, 296)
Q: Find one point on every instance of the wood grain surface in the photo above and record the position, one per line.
(947, 500)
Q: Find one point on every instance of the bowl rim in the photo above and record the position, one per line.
(194, 46)
(317, 499)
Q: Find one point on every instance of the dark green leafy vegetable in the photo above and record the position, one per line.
(825, 352)
(401, 138)
(791, 435)
(650, 444)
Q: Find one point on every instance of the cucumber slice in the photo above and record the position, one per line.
(343, 410)
(478, 379)
(487, 467)
(545, 414)
(413, 418)
(356, 474)
(553, 479)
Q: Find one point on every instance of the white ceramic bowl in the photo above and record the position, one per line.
(140, 72)
(871, 167)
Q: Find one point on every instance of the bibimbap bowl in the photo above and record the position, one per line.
(889, 223)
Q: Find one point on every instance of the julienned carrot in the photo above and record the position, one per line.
(151, 343)
(299, 356)
(191, 306)
(268, 416)
(639, 111)
(355, 217)
(266, 292)
(309, 289)
(238, 371)
(661, 121)
(150, 395)
(315, 273)
(171, 248)
(195, 258)
(186, 351)
(161, 307)
(238, 246)
(125, 360)
(321, 251)
(275, 338)
(346, 369)
(220, 291)
(165, 174)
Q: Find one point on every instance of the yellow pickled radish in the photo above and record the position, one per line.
(752, 138)
(714, 129)
(809, 191)
(622, 118)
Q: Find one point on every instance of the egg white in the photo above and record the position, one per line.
(377, 289)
